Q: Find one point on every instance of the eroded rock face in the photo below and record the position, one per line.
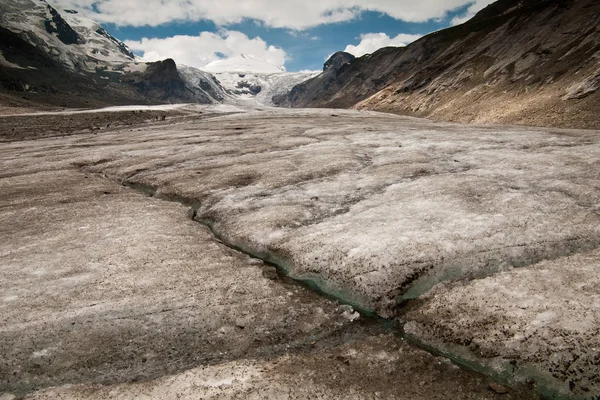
(588, 86)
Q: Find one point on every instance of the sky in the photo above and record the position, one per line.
(296, 35)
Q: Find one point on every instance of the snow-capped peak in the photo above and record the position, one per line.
(67, 36)
(243, 63)
(96, 36)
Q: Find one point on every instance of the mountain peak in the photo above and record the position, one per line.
(337, 60)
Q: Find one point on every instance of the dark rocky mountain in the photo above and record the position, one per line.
(46, 81)
(56, 57)
(337, 61)
(63, 30)
(533, 62)
(331, 71)
(162, 81)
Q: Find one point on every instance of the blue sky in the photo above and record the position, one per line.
(306, 49)
(299, 35)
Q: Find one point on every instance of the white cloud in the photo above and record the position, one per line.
(197, 51)
(310, 71)
(473, 9)
(290, 14)
(370, 42)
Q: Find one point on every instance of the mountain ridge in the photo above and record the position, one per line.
(533, 62)
(59, 57)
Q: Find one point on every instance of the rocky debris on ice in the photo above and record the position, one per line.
(494, 228)
(532, 324)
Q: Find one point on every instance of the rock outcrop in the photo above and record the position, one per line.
(161, 80)
(318, 85)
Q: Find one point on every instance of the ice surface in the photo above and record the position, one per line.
(497, 223)
(541, 320)
(270, 84)
(379, 208)
(236, 74)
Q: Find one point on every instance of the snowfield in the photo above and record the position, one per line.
(160, 107)
(254, 82)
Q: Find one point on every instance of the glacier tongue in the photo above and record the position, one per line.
(247, 79)
(259, 88)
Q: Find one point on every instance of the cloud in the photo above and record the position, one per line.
(370, 42)
(473, 9)
(310, 71)
(290, 14)
(197, 51)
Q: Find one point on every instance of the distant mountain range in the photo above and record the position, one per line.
(60, 57)
(534, 62)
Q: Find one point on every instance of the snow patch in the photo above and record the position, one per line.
(160, 107)
(5, 63)
(136, 67)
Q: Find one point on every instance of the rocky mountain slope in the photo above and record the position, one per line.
(533, 62)
(73, 40)
(60, 57)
